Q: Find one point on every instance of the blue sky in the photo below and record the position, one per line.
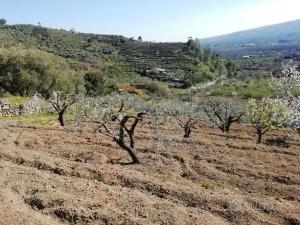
(154, 20)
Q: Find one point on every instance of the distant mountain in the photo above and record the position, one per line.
(279, 39)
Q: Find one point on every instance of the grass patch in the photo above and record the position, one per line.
(253, 89)
(296, 137)
(210, 184)
(16, 100)
(39, 119)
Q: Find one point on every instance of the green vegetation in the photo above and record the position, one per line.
(35, 59)
(210, 184)
(25, 72)
(15, 100)
(97, 84)
(259, 52)
(155, 88)
(252, 89)
(116, 57)
(49, 118)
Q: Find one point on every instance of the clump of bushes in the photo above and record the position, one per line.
(152, 88)
(157, 89)
(25, 72)
(97, 84)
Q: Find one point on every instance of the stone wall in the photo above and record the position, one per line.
(28, 108)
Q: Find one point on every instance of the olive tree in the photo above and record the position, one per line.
(266, 115)
(223, 113)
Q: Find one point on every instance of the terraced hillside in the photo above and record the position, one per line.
(170, 56)
(131, 54)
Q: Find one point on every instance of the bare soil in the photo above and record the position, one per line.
(52, 176)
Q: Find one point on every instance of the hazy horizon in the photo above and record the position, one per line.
(154, 21)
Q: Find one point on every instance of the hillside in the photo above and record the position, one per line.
(132, 54)
(275, 40)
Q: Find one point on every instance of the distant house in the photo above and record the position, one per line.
(36, 97)
(164, 75)
(158, 71)
(155, 73)
(248, 56)
(248, 45)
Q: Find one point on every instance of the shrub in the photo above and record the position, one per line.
(24, 72)
(157, 89)
(40, 32)
(16, 100)
(97, 84)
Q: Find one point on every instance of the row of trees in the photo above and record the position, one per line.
(120, 123)
(117, 116)
(208, 65)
